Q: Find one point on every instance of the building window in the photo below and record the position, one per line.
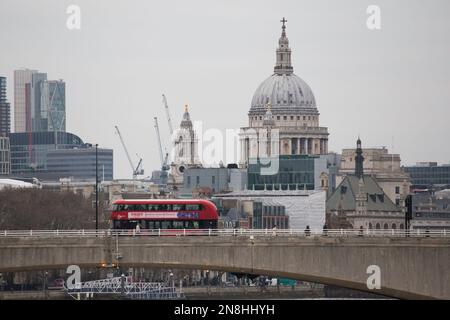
(278, 117)
(292, 117)
(386, 226)
(397, 190)
(213, 180)
(188, 181)
(198, 180)
(397, 202)
(298, 117)
(285, 117)
(378, 226)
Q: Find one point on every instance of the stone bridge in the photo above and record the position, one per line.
(410, 268)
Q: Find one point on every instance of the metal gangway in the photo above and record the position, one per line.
(123, 287)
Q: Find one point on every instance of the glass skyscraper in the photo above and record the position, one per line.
(40, 104)
(5, 128)
(5, 120)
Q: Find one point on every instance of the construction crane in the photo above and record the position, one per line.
(169, 120)
(139, 170)
(164, 158)
(136, 170)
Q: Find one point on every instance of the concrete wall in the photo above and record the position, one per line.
(410, 268)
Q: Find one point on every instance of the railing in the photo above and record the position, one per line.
(385, 233)
(124, 286)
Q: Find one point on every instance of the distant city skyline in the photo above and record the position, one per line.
(389, 86)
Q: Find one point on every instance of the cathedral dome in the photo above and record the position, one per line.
(284, 91)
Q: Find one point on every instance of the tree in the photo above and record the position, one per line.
(45, 209)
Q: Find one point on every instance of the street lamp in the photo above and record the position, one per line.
(96, 186)
(45, 284)
(171, 279)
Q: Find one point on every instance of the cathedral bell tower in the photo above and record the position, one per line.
(185, 150)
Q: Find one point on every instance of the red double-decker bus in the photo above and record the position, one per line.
(164, 214)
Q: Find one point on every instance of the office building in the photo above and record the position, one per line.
(250, 213)
(302, 207)
(29, 150)
(52, 115)
(295, 172)
(40, 104)
(5, 110)
(429, 175)
(5, 156)
(430, 211)
(79, 163)
(213, 180)
(22, 99)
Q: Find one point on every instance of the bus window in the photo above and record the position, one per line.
(152, 207)
(192, 225)
(157, 224)
(118, 207)
(151, 224)
(117, 224)
(193, 207)
(208, 224)
(133, 223)
(166, 224)
(179, 207)
(164, 207)
(140, 207)
(178, 224)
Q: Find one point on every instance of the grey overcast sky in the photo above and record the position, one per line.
(391, 86)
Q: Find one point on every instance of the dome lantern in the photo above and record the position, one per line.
(283, 63)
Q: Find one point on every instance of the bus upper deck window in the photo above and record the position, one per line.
(193, 207)
(141, 207)
(179, 207)
(165, 207)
